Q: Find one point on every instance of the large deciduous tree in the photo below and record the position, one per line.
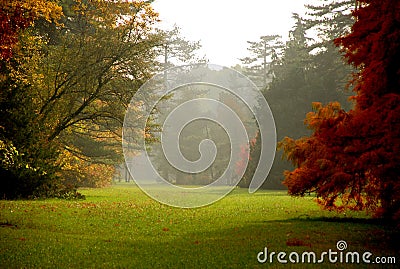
(65, 88)
(101, 57)
(352, 158)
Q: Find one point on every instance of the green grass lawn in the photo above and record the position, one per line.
(120, 227)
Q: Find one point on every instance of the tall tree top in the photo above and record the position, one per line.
(373, 46)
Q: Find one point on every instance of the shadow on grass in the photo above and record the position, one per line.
(371, 232)
(371, 221)
(238, 246)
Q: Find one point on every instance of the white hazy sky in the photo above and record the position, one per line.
(224, 26)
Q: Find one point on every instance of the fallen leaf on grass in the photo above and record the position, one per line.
(297, 242)
(6, 224)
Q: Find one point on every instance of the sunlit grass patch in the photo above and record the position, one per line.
(120, 226)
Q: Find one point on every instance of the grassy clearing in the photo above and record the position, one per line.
(121, 227)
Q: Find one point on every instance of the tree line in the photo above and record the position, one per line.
(307, 68)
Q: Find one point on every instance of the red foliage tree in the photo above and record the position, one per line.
(352, 159)
(244, 157)
(248, 161)
(12, 19)
(17, 15)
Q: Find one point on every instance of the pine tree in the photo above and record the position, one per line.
(262, 54)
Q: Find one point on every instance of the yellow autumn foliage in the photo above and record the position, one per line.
(48, 10)
(82, 173)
